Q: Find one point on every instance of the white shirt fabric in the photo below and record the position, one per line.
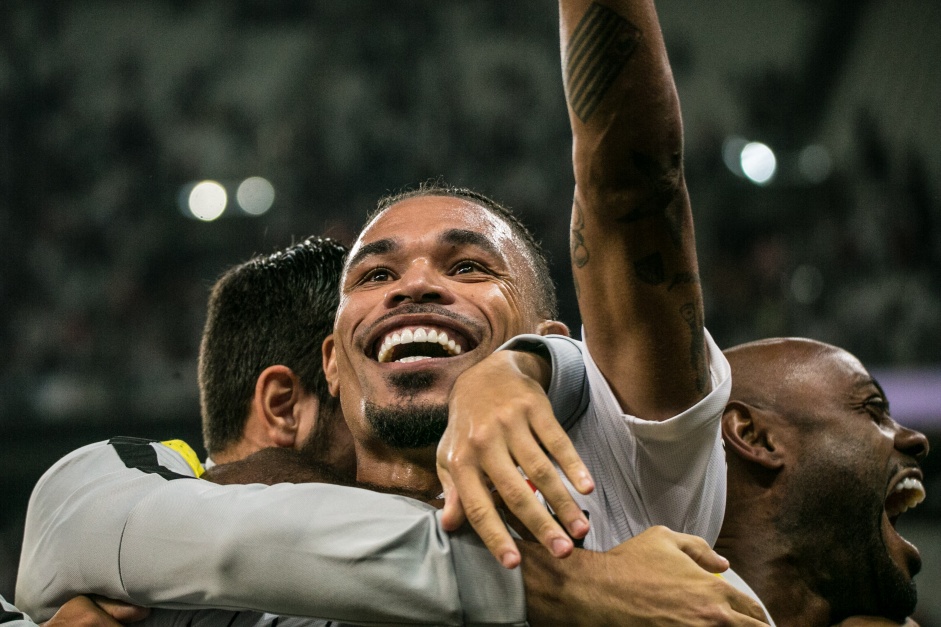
(669, 473)
(10, 616)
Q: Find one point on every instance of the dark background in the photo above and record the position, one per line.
(109, 109)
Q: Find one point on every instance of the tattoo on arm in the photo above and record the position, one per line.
(697, 350)
(662, 202)
(602, 43)
(650, 269)
(683, 278)
(577, 241)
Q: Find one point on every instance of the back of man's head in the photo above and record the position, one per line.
(273, 309)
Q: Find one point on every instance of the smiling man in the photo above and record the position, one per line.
(437, 280)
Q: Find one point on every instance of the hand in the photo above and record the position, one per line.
(82, 611)
(500, 418)
(659, 577)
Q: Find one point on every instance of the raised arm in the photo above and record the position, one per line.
(632, 245)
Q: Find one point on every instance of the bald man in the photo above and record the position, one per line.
(819, 473)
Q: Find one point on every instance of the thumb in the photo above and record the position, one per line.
(701, 553)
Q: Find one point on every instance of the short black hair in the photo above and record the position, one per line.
(272, 309)
(547, 305)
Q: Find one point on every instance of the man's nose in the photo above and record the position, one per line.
(421, 283)
(911, 442)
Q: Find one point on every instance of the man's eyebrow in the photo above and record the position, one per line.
(465, 237)
(379, 247)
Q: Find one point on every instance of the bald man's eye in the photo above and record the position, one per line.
(878, 407)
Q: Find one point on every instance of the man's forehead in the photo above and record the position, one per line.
(446, 219)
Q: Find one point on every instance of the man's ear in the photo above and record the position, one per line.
(330, 365)
(747, 434)
(556, 327)
(280, 401)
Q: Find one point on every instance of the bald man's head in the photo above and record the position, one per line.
(782, 374)
(821, 472)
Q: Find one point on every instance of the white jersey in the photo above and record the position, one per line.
(129, 520)
(646, 473)
(10, 616)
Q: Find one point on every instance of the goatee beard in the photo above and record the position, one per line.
(407, 426)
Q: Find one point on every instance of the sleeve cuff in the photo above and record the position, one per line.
(568, 388)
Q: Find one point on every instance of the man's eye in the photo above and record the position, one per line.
(466, 267)
(376, 276)
(877, 406)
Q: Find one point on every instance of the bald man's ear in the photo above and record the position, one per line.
(745, 429)
(547, 327)
(330, 365)
(283, 405)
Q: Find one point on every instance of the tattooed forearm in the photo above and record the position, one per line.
(697, 350)
(650, 269)
(683, 278)
(577, 241)
(600, 46)
(663, 182)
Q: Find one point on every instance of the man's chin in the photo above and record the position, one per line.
(408, 425)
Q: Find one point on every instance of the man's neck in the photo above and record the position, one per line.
(411, 472)
(761, 558)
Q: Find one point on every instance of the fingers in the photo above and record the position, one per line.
(486, 520)
(559, 447)
(122, 612)
(537, 466)
(452, 514)
(518, 496)
(81, 612)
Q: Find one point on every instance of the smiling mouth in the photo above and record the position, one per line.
(412, 344)
(905, 495)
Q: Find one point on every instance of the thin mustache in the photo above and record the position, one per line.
(419, 308)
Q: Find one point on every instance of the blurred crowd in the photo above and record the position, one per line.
(107, 112)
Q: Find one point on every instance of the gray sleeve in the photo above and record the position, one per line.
(568, 389)
(12, 617)
(150, 536)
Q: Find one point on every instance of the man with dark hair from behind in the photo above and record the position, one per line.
(266, 321)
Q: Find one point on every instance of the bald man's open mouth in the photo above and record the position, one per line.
(906, 491)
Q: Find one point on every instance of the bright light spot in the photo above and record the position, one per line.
(814, 163)
(806, 284)
(207, 200)
(732, 154)
(255, 195)
(758, 162)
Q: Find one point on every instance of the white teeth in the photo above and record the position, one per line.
(912, 491)
(417, 335)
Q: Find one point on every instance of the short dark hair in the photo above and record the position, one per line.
(272, 309)
(547, 305)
